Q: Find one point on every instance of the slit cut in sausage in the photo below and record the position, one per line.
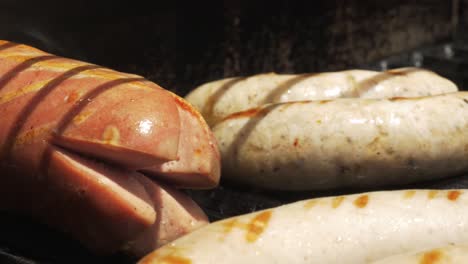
(73, 136)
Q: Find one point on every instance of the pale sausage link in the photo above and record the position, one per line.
(358, 228)
(218, 99)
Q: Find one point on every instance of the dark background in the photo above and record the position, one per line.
(182, 45)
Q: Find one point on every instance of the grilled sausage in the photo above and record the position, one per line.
(355, 228)
(218, 99)
(444, 255)
(74, 139)
(317, 145)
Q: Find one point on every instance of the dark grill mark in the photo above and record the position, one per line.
(8, 76)
(244, 132)
(367, 84)
(285, 86)
(35, 101)
(78, 107)
(209, 106)
(8, 45)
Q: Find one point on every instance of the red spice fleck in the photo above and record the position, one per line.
(453, 195)
(296, 142)
(247, 113)
(361, 201)
(431, 257)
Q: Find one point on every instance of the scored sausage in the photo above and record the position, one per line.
(218, 99)
(74, 139)
(444, 255)
(314, 145)
(357, 228)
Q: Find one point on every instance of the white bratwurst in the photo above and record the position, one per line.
(218, 99)
(318, 145)
(350, 229)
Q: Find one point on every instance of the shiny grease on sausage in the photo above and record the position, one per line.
(357, 228)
